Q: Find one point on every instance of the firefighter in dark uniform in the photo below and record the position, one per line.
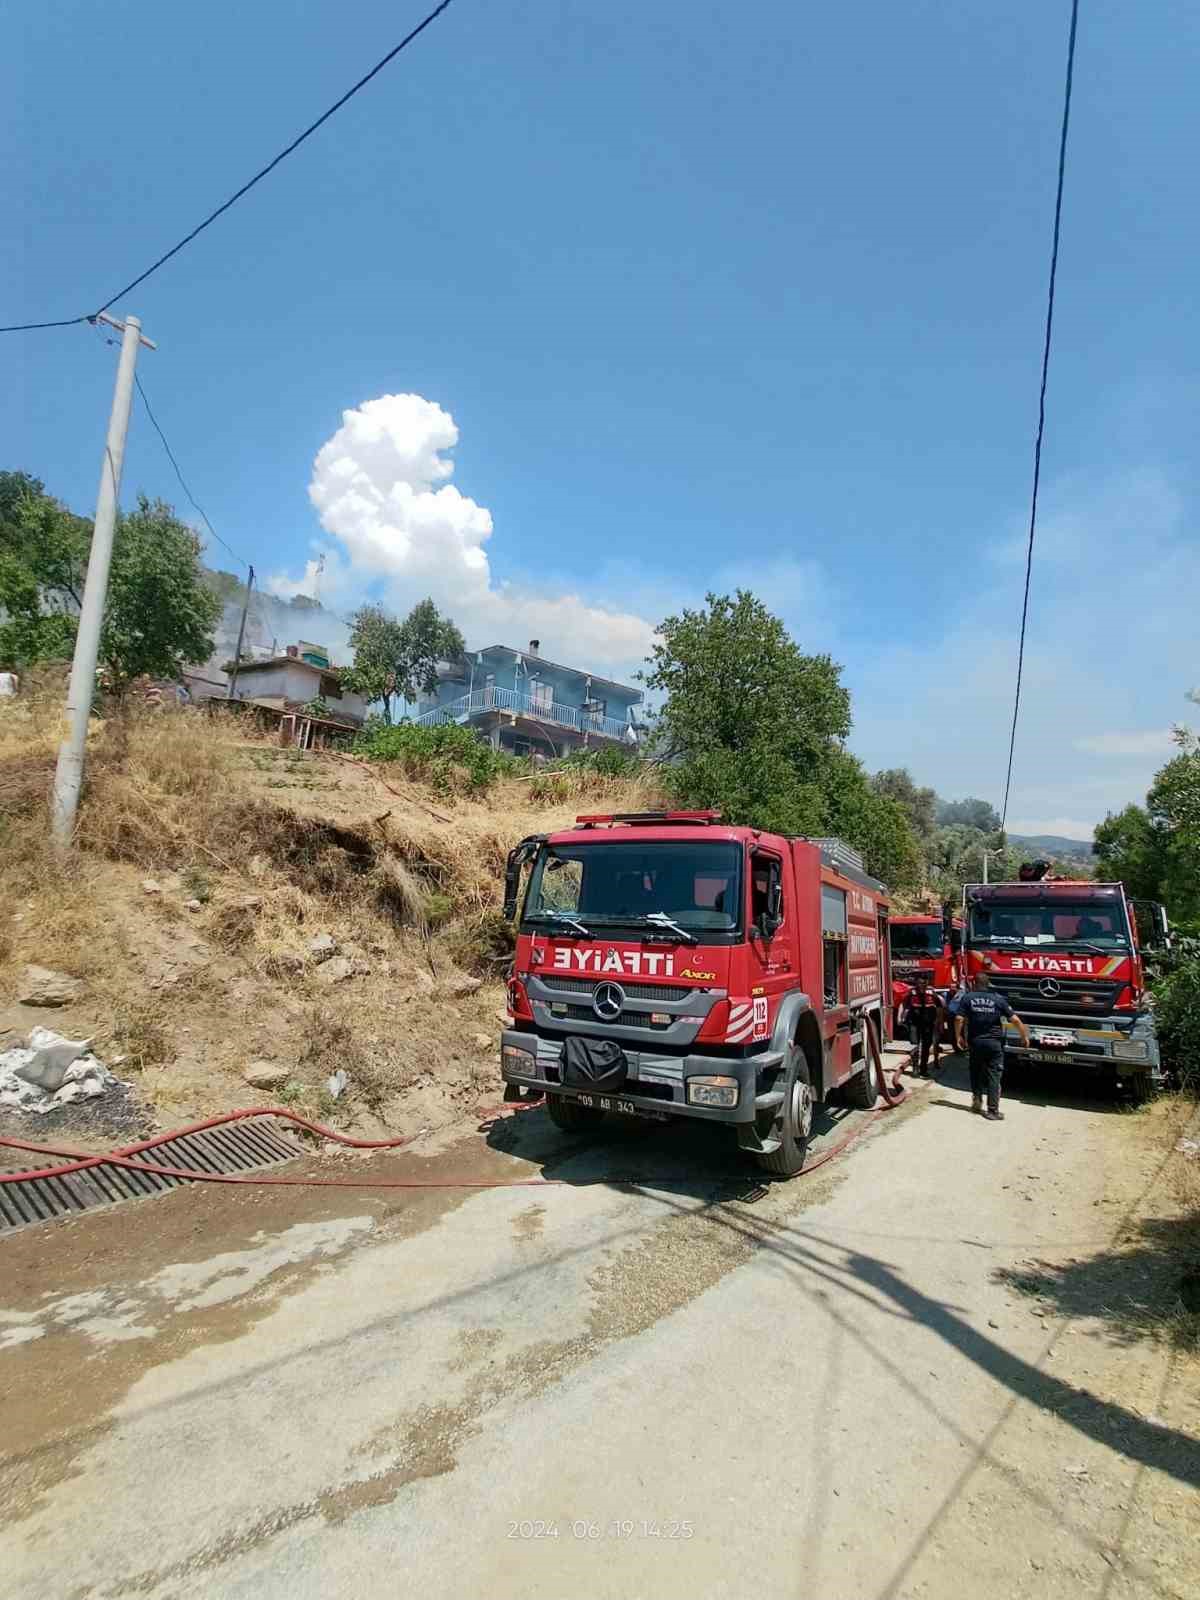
(923, 1008)
(980, 1022)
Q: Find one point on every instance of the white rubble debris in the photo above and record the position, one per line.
(50, 1072)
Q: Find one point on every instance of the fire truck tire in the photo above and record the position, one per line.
(861, 1091)
(571, 1117)
(793, 1122)
(1139, 1087)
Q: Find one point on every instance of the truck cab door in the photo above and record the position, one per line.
(772, 946)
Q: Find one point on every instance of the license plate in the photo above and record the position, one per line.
(626, 1108)
(1045, 1055)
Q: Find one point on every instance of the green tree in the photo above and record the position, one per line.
(399, 660)
(955, 857)
(735, 681)
(160, 614)
(754, 727)
(426, 639)
(969, 813)
(919, 805)
(160, 609)
(1173, 805)
(1128, 849)
(1155, 849)
(877, 824)
(227, 586)
(377, 640)
(43, 557)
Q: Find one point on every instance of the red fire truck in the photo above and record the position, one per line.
(1068, 956)
(668, 965)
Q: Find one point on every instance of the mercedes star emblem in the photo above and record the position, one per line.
(1049, 987)
(608, 1001)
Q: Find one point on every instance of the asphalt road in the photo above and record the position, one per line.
(673, 1386)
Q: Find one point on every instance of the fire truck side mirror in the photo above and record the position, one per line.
(770, 920)
(517, 858)
(512, 880)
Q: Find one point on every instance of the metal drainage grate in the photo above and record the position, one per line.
(236, 1147)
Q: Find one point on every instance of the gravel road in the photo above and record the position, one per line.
(858, 1384)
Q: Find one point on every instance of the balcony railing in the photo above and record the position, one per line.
(481, 701)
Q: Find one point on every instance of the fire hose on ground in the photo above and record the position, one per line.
(76, 1161)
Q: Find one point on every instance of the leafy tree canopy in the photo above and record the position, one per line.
(755, 728)
(159, 613)
(919, 805)
(398, 660)
(969, 813)
(1155, 849)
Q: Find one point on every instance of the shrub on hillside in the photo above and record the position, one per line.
(1176, 985)
(610, 762)
(448, 758)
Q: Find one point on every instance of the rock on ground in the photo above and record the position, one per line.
(44, 987)
(336, 970)
(266, 1074)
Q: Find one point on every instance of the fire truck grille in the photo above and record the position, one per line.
(1075, 995)
(579, 1013)
(633, 991)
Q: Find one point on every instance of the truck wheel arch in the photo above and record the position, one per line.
(796, 1023)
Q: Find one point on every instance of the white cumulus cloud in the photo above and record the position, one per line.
(380, 487)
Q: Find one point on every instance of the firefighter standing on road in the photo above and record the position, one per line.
(981, 1017)
(924, 1009)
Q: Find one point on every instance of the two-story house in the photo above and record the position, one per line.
(526, 705)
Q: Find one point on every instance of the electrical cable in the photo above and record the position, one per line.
(1041, 427)
(182, 481)
(67, 322)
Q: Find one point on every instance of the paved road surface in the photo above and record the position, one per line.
(668, 1388)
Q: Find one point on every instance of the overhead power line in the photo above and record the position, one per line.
(182, 480)
(1041, 427)
(67, 322)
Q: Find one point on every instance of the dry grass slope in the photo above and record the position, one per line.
(276, 847)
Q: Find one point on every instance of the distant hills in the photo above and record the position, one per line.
(1051, 844)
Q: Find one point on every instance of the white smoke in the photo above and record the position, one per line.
(379, 486)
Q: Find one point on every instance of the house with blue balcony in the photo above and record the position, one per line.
(523, 704)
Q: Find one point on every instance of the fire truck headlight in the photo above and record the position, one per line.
(712, 1091)
(1131, 1050)
(517, 1060)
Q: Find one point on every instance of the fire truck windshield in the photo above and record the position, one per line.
(697, 885)
(918, 938)
(1101, 925)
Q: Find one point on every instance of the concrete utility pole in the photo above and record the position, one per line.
(237, 654)
(68, 776)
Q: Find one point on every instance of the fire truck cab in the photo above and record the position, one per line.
(668, 965)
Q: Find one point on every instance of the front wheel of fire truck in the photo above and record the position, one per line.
(792, 1125)
(1139, 1088)
(571, 1117)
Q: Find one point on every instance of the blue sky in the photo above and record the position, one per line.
(713, 295)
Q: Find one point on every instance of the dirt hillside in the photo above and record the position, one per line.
(236, 905)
